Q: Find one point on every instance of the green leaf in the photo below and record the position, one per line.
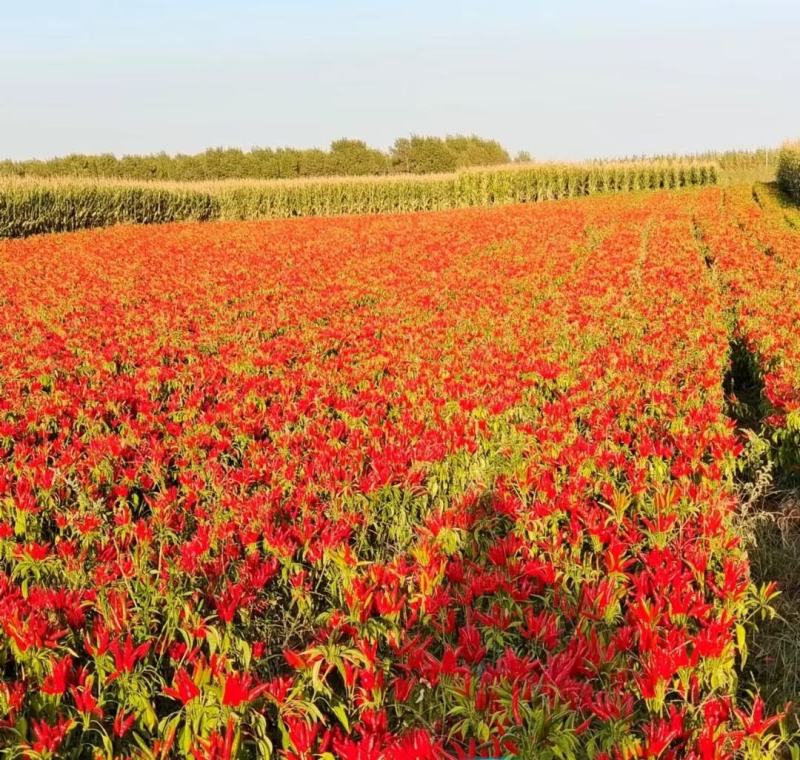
(741, 641)
(185, 741)
(340, 712)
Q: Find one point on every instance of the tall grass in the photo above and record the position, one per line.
(788, 175)
(32, 206)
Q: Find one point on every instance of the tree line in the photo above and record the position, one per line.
(409, 155)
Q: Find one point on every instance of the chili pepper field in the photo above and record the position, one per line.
(459, 484)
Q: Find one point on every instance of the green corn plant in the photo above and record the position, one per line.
(788, 174)
(30, 206)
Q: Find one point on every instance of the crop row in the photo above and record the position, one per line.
(33, 206)
(434, 485)
(756, 251)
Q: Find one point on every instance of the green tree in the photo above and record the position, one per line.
(353, 157)
(422, 155)
(471, 150)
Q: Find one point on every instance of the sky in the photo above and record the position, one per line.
(562, 79)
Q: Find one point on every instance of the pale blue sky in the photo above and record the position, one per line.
(561, 78)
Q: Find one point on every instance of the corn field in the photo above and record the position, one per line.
(789, 169)
(33, 206)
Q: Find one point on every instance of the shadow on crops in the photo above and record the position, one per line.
(770, 495)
